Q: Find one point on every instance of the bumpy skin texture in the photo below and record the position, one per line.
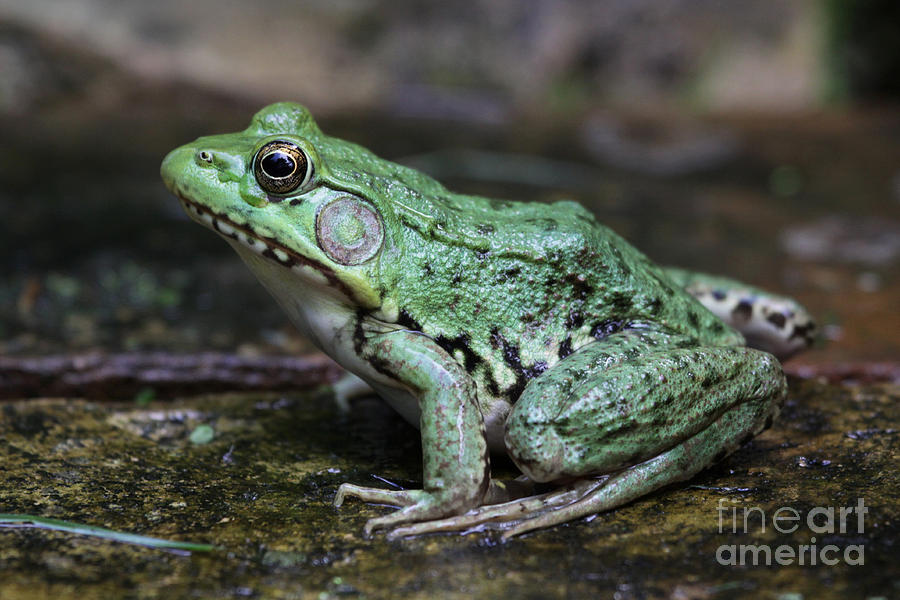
(520, 327)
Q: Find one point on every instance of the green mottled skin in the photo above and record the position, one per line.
(520, 327)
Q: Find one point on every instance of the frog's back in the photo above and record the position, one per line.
(516, 287)
(616, 283)
(509, 288)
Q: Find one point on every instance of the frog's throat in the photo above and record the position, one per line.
(266, 247)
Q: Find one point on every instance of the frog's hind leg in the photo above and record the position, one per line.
(623, 417)
(769, 322)
(655, 416)
(682, 462)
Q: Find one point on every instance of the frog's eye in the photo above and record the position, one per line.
(349, 230)
(281, 167)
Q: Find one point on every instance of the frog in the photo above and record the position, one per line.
(495, 327)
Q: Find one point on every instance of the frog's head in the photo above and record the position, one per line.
(284, 194)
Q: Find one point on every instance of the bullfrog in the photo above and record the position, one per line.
(493, 326)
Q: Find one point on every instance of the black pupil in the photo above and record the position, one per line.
(278, 164)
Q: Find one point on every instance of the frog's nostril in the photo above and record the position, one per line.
(204, 156)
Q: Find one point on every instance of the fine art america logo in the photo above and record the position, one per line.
(819, 521)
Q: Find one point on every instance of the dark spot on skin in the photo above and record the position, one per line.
(381, 365)
(407, 321)
(620, 303)
(665, 400)
(485, 228)
(743, 311)
(804, 331)
(574, 320)
(460, 343)
(565, 348)
(777, 319)
(581, 288)
(274, 199)
(606, 328)
(655, 304)
(551, 285)
(513, 360)
(509, 274)
(457, 278)
(296, 202)
(545, 224)
(693, 319)
(359, 336)
(624, 426)
(717, 327)
(426, 268)
(719, 295)
(482, 255)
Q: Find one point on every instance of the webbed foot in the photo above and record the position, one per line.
(512, 516)
(416, 506)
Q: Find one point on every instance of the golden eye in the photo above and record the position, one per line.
(281, 167)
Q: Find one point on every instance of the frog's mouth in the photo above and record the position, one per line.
(264, 246)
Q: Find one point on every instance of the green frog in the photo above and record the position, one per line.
(493, 326)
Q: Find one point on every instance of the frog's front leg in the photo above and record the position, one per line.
(647, 409)
(456, 470)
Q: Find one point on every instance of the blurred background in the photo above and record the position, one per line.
(755, 139)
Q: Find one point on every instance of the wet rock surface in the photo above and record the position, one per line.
(261, 491)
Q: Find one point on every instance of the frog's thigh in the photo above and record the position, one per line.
(587, 416)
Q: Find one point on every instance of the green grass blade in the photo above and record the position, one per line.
(31, 521)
